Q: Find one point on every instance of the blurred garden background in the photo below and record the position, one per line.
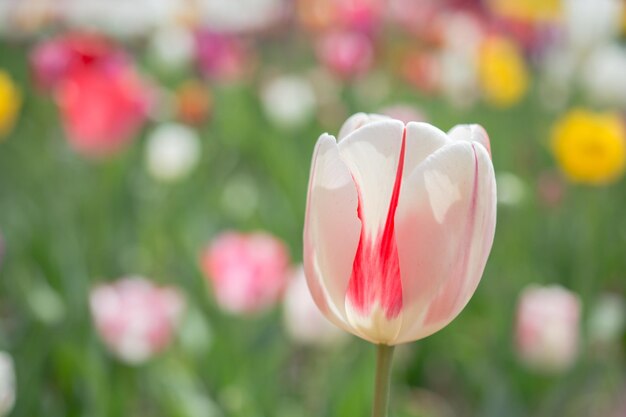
(154, 159)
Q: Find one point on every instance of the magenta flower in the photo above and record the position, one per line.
(135, 318)
(348, 54)
(221, 56)
(248, 272)
(399, 224)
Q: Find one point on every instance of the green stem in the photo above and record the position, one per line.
(384, 356)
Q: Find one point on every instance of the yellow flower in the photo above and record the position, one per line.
(502, 72)
(590, 147)
(10, 101)
(530, 10)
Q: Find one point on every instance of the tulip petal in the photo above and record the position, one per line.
(471, 133)
(445, 226)
(357, 121)
(331, 230)
(372, 153)
(422, 139)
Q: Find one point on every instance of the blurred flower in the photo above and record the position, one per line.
(603, 75)
(102, 110)
(418, 17)
(220, 56)
(589, 24)
(53, 60)
(172, 47)
(120, 17)
(360, 15)
(527, 10)
(303, 320)
(102, 100)
(316, 15)
(607, 319)
(24, 17)
(590, 147)
(229, 16)
(172, 152)
(458, 77)
(511, 189)
(10, 102)
(502, 72)
(557, 71)
(135, 318)
(289, 100)
(7, 383)
(548, 327)
(348, 54)
(248, 272)
(461, 36)
(395, 246)
(194, 102)
(422, 70)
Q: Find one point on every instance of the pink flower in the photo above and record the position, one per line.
(348, 54)
(102, 110)
(399, 224)
(54, 59)
(303, 320)
(248, 271)
(135, 318)
(361, 15)
(547, 332)
(102, 101)
(222, 56)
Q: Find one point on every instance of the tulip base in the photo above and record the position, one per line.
(384, 355)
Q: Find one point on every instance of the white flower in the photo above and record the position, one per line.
(603, 75)
(289, 101)
(240, 15)
(172, 151)
(589, 23)
(607, 319)
(121, 17)
(172, 46)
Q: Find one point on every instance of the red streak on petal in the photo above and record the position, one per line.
(376, 269)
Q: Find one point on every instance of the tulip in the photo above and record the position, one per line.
(248, 272)
(400, 220)
(220, 56)
(399, 223)
(304, 322)
(172, 152)
(348, 54)
(289, 101)
(7, 383)
(102, 110)
(135, 318)
(548, 327)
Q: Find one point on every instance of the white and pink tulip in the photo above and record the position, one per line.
(399, 224)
